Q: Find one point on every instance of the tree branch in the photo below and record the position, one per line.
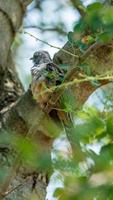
(92, 48)
(27, 119)
(55, 29)
(79, 6)
(36, 123)
(53, 46)
(74, 72)
(25, 3)
(108, 2)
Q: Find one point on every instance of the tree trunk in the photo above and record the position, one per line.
(14, 185)
(24, 117)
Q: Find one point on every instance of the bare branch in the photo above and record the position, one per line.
(79, 6)
(12, 190)
(55, 29)
(69, 76)
(94, 46)
(53, 46)
(25, 3)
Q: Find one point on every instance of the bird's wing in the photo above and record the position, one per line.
(55, 73)
(38, 72)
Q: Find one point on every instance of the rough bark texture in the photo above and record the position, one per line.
(24, 116)
(11, 15)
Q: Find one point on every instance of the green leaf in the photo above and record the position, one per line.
(91, 127)
(109, 124)
(90, 39)
(104, 37)
(95, 83)
(67, 101)
(107, 15)
(27, 149)
(64, 67)
(86, 68)
(80, 26)
(82, 46)
(58, 192)
(107, 153)
(94, 7)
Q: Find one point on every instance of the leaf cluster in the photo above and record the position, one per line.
(96, 25)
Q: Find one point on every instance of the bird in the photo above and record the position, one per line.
(45, 75)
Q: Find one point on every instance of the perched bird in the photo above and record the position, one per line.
(45, 74)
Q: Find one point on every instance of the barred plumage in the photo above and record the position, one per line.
(45, 74)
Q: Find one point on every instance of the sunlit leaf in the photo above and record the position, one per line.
(94, 7)
(109, 124)
(104, 37)
(58, 192)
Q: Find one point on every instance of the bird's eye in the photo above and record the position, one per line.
(35, 55)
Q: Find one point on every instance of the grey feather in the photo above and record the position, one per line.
(44, 68)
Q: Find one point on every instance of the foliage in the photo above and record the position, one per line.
(88, 170)
(97, 25)
(89, 173)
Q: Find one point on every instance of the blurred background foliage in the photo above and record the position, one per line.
(46, 20)
(89, 173)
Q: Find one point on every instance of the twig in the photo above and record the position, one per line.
(12, 190)
(58, 90)
(53, 46)
(69, 76)
(94, 46)
(55, 29)
(77, 81)
(8, 179)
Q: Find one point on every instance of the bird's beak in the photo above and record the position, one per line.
(31, 58)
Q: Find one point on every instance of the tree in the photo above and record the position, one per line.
(27, 132)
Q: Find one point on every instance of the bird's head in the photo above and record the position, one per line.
(40, 57)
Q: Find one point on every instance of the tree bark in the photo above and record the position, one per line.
(13, 185)
(24, 117)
